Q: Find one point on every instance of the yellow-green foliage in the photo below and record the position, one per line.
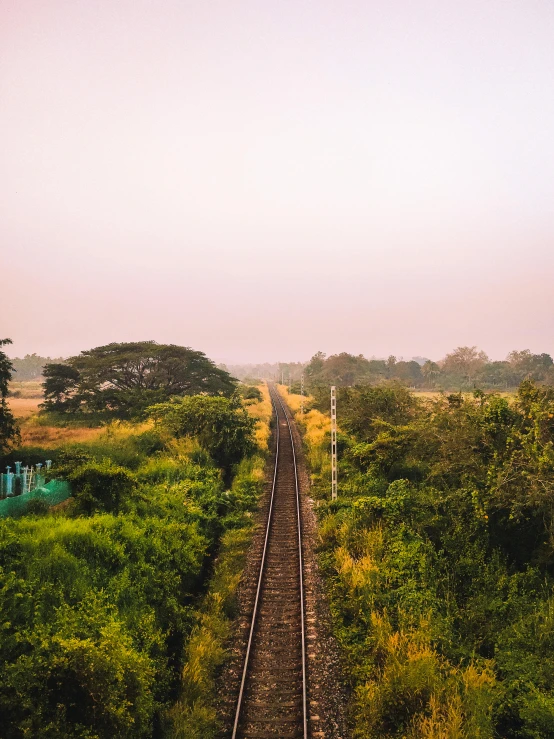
(315, 428)
(262, 412)
(401, 679)
(88, 605)
(380, 582)
(412, 685)
(294, 400)
(100, 635)
(194, 715)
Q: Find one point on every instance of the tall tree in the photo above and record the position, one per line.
(9, 430)
(431, 372)
(60, 387)
(314, 368)
(464, 362)
(124, 379)
(339, 369)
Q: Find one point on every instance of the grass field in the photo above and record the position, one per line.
(33, 433)
(28, 389)
(24, 407)
(51, 437)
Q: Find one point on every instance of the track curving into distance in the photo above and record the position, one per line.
(272, 699)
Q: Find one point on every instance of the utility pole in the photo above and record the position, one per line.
(333, 443)
(302, 393)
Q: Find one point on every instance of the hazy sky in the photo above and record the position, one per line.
(263, 179)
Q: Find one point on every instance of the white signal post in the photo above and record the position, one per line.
(302, 393)
(333, 443)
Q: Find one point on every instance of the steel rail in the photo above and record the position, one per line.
(260, 578)
(275, 394)
(301, 561)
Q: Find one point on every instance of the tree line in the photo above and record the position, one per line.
(465, 368)
(30, 366)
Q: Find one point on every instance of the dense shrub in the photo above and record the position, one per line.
(221, 425)
(144, 569)
(439, 560)
(250, 392)
(98, 599)
(100, 486)
(93, 605)
(79, 675)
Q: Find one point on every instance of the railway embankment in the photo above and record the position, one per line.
(266, 679)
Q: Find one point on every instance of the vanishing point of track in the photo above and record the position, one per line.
(272, 700)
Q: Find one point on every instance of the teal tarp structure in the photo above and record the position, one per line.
(54, 492)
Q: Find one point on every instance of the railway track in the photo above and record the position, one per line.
(272, 699)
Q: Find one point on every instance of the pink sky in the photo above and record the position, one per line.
(168, 166)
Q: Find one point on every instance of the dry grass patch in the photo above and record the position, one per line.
(315, 424)
(51, 437)
(34, 432)
(27, 389)
(315, 428)
(24, 407)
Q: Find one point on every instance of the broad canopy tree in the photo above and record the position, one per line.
(124, 379)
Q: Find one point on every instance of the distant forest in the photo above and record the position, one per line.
(465, 368)
(30, 367)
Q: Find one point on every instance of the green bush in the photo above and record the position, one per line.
(93, 606)
(194, 715)
(439, 560)
(250, 392)
(221, 425)
(101, 486)
(81, 676)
